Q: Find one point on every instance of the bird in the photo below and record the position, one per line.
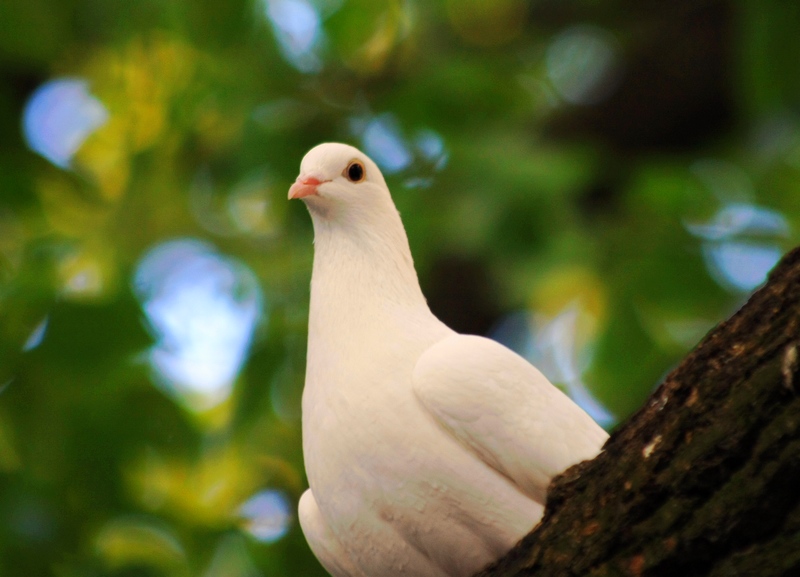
(428, 453)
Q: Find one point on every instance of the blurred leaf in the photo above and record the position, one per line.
(138, 541)
(365, 33)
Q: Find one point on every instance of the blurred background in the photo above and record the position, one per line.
(593, 183)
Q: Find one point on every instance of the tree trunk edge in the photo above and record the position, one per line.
(704, 479)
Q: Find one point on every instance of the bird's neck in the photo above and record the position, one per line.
(368, 319)
(362, 276)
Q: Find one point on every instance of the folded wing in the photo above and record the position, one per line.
(505, 411)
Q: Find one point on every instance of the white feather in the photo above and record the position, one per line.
(506, 411)
(427, 453)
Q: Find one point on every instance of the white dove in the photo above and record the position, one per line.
(428, 453)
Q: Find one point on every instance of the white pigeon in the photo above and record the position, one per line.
(428, 453)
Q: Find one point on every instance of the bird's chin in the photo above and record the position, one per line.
(317, 206)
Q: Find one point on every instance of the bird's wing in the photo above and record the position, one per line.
(505, 411)
(323, 542)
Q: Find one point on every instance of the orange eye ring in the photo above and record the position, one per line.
(355, 171)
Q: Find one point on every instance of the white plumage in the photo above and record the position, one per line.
(428, 453)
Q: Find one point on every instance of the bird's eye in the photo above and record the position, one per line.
(355, 171)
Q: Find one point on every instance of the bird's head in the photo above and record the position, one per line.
(340, 183)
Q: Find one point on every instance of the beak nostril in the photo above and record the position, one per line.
(304, 186)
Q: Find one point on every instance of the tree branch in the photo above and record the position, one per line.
(705, 478)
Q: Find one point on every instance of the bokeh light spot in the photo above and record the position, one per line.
(431, 145)
(740, 218)
(297, 30)
(553, 346)
(384, 143)
(83, 275)
(202, 308)
(58, 118)
(738, 244)
(37, 336)
(583, 64)
(250, 207)
(267, 515)
(741, 266)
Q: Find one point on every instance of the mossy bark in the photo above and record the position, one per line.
(705, 478)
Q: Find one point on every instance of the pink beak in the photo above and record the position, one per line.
(304, 187)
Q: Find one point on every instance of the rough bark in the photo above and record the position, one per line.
(705, 478)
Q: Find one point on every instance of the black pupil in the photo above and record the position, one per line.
(355, 172)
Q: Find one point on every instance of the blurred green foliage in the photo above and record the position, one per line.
(595, 183)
